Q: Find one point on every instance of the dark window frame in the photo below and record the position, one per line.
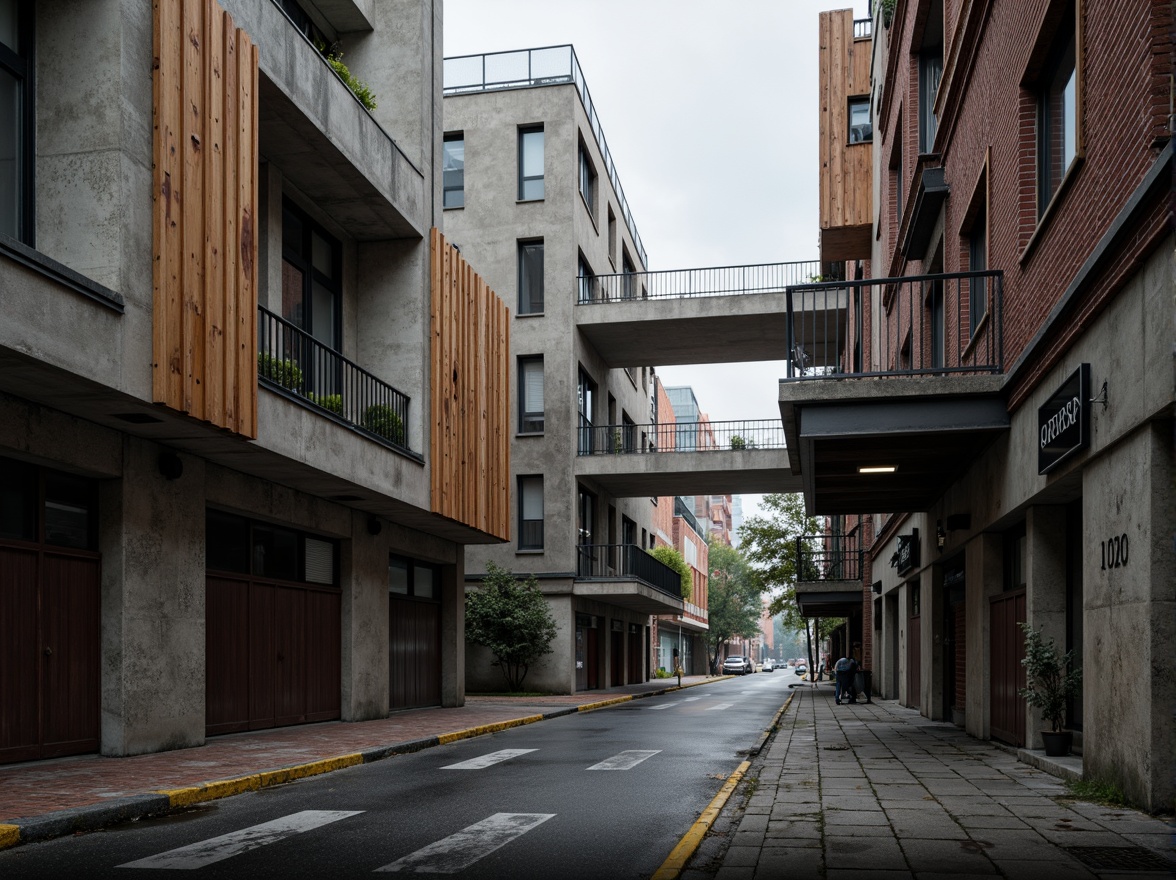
(1063, 56)
(533, 305)
(587, 285)
(530, 536)
(530, 421)
(20, 64)
(587, 180)
(411, 565)
(303, 260)
(449, 188)
(524, 178)
(43, 487)
(251, 527)
(864, 135)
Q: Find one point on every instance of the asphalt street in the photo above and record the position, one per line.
(600, 794)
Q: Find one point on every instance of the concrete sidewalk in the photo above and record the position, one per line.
(877, 791)
(40, 800)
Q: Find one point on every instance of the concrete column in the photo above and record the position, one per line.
(933, 633)
(364, 579)
(887, 682)
(1045, 589)
(983, 578)
(153, 619)
(453, 661)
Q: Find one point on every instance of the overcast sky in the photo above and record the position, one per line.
(710, 113)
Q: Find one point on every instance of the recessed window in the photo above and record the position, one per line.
(16, 120)
(978, 262)
(453, 171)
(410, 578)
(530, 164)
(530, 513)
(586, 283)
(312, 277)
(612, 236)
(234, 543)
(930, 72)
(1057, 115)
(587, 180)
(860, 131)
(530, 395)
(530, 277)
(629, 277)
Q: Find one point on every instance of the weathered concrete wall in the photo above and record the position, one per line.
(983, 578)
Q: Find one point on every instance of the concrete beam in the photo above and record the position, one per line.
(714, 472)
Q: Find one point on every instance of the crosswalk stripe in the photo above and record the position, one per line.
(662, 706)
(216, 849)
(690, 699)
(458, 851)
(719, 706)
(484, 761)
(626, 760)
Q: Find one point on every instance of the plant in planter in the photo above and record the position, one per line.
(382, 419)
(283, 372)
(1051, 680)
(331, 402)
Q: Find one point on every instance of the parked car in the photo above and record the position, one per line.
(801, 669)
(769, 665)
(736, 665)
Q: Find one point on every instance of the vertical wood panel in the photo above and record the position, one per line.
(470, 397)
(205, 196)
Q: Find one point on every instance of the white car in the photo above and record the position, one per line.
(769, 665)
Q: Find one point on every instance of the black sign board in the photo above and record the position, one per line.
(1063, 422)
(908, 552)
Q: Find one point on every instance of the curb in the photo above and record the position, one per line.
(92, 817)
(676, 861)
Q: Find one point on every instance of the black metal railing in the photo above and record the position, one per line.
(534, 68)
(689, 283)
(603, 561)
(863, 28)
(680, 509)
(679, 437)
(291, 360)
(930, 325)
(829, 557)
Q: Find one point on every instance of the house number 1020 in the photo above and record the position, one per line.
(1114, 552)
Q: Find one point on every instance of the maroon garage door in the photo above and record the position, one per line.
(1007, 647)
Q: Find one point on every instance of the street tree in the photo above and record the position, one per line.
(511, 618)
(733, 600)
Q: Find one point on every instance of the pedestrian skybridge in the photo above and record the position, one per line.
(685, 458)
(725, 314)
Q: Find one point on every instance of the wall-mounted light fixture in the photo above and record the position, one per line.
(878, 469)
(374, 526)
(940, 534)
(170, 466)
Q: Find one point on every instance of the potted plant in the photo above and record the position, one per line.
(1051, 680)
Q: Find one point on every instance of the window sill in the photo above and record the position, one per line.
(453, 208)
(534, 551)
(530, 434)
(528, 201)
(528, 314)
(1050, 210)
(62, 274)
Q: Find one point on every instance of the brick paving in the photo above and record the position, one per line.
(878, 792)
(38, 788)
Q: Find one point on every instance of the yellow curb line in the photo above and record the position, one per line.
(9, 836)
(444, 738)
(183, 797)
(676, 861)
(681, 853)
(600, 704)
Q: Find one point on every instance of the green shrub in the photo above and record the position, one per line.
(357, 86)
(283, 372)
(379, 418)
(667, 555)
(662, 673)
(332, 402)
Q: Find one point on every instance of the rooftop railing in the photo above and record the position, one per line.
(930, 325)
(688, 283)
(604, 561)
(534, 68)
(680, 437)
(296, 364)
(829, 557)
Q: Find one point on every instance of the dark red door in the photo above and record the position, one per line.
(592, 657)
(1007, 650)
(414, 653)
(636, 654)
(50, 689)
(616, 660)
(914, 663)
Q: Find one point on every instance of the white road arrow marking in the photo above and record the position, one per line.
(484, 761)
(719, 706)
(458, 851)
(206, 852)
(625, 760)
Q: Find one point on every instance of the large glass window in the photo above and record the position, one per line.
(408, 577)
(16, 126)
(530, 163)
(1057, 116)
(930, 72)
(585, 403)
(587, 180)
(530, 513)
(530, 395)
(234, 543)
(586, 282)
(453, 171)
(530, 277)
(47, 506)
(860, 131)
(312, 277)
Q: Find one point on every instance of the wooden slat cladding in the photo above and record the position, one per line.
(470, 446)
(846, 194)
(205, 201)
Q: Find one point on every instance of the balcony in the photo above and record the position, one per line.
(624, 574)
(685, 458)
(829, 574)
(723, 314)
(927, 355)
(294, 364)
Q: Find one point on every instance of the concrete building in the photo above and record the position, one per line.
(1002, 412)
(534, 199)
(232, 484)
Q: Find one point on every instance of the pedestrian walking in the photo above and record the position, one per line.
(841, 671)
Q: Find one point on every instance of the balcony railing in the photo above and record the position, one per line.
(604, 561)
(931, 325)
(679, 437)
(533, 68)
(689, 283)
(680, 509)
(831, 557)
(294, 362)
